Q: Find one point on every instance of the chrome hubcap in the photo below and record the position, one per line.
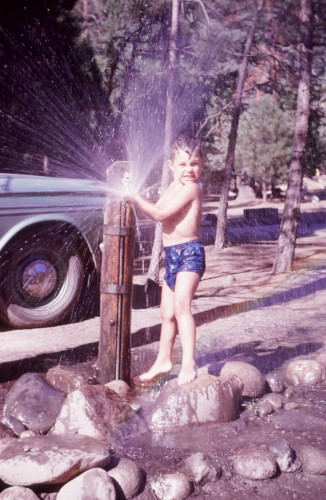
(39, 279)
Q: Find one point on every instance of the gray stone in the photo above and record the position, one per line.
(255, 464)
(68, 378)
(175, 486)
(5, 431)
(18, 493)
(275, 400)
(26, 434)
(285, 456)
(13, 424)
(98, 412)
(253, 380)
(93, 484)
(49, 459)
(121, 388)
(313, 460)
(275, 382)
(288, 393)
(321, 358)
(265, 408)
(291, 405)
(304, 372)
(33, 402)
(199, 469)
(129, 477)
(206, 399)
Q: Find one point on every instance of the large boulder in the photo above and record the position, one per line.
(18, 493)
(253, 380)
(305, 372)
(206, 399)
(69, 378)
(255, 464)
(92, 484)
(313, 460)
(99, 412)
(175, 486)
(33, 402)
(199, 469)
(49, 459)
(128, 477)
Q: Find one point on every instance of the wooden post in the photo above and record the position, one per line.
(116, 291)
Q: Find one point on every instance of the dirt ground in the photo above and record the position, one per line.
(245, 313)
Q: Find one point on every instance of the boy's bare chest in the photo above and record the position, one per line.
(172, 192)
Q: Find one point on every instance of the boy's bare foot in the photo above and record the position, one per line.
(157, 370)
(187, 374)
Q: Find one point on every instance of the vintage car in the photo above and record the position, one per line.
(50, 232)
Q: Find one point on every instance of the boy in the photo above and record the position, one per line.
(179, 210)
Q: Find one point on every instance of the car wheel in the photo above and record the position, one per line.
(41, 282)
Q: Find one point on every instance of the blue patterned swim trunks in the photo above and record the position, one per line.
(189, 256)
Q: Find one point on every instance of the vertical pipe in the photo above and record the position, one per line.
(116, 291)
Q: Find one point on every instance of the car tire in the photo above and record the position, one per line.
(41, 283)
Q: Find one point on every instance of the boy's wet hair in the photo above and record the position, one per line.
(187, 144)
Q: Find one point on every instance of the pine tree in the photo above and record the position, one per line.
(291, 214)
(264, 142)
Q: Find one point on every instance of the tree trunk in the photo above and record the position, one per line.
(291, 214)
(229, 162)
(154, 267)
(264, 191)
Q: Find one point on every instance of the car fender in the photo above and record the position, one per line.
(35, 220)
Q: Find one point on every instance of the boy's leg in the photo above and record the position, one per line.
(186, 285)
(163, 363)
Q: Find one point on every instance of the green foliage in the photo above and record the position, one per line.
(264, 140)
(103, 55)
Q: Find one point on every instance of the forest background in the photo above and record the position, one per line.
(84, 83)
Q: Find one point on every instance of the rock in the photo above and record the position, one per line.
(128, 477)
(304, 372)
(98, 412)
(285, 456)
(313, 460)
(275, 400)
(26, 434)
(121, 388)
(275, 383)
(5, 431)
(33, 402)
(321, 358)
(175, 486)
(265, 408)
(199, 469)
(49, 459)
(69, 378)
(288, 393)
(206, 399)
(291, 405)
(13, 424)
(227, 280)
(255, 464)
(253, 381)
(92, 484)
(18, 493)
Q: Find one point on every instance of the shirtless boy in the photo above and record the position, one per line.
(179, 210)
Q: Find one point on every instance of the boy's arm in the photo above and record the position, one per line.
(166, 209)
